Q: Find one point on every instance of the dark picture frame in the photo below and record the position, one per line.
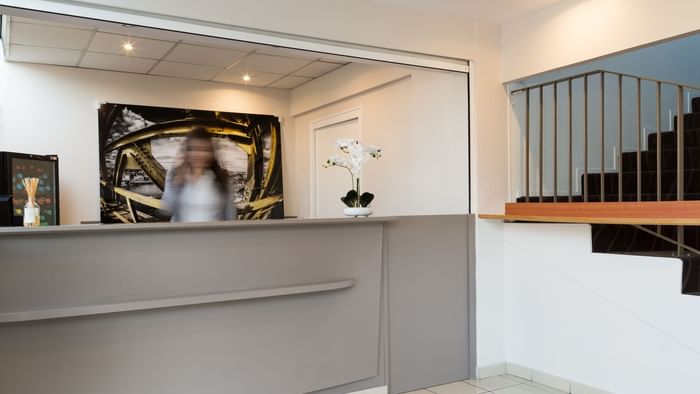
(138, 144)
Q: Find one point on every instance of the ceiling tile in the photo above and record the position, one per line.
(142, 32)
(269, 64)
(289, 82)
(49, 36)
(256, 78)
(287, 52)
(143, 47)
(316, 69)
(183, 70)
(61, 57)
(116, 63)
(19, 19)
(194, 54)
(335, 59)
(219, 43)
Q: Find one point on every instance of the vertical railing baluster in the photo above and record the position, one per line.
(680, 165)
(571, 150)
(639, 139)
(541, 149)
(658, 141)
(680, 134)
(585, 138)
(602, 137)
(556, 173)
(527, 145)
(619, 138)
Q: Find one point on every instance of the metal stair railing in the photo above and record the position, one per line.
(587, 90)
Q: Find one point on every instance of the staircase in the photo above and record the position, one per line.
(656, 180)
(627, 239)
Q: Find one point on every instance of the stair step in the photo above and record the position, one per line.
(691, 275)
(691, 159)
(648, 185)
(690, 121)
(668, 139)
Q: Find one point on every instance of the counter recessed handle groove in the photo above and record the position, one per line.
(45, 314)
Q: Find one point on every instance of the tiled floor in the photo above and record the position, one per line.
(504, 384)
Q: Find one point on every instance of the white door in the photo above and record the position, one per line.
(333, 182)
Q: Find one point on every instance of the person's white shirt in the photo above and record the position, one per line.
(201, 200)
(197, 201)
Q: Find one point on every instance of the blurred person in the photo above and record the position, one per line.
(197, 190)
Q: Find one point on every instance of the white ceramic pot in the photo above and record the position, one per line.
(357, 211)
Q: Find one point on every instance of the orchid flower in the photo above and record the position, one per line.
(357, 154)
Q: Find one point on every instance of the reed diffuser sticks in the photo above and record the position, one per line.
(32, 217)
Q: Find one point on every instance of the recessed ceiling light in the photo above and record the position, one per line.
(128, 46)
(246, 77)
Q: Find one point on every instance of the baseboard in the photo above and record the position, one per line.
(373, 390)
(548, 379)
(488, 371)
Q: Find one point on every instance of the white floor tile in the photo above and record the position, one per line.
(578, 388)
(528, 388)
(421, 391)
(516, 378)
(519, 370)
(551, 381)
(495, 382)
(456, 388)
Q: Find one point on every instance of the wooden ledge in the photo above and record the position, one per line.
(663, 213)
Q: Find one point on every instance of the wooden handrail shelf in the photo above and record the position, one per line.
(664, 213)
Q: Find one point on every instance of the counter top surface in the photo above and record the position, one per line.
(233, 224)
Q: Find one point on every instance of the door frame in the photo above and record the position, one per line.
(327, 121)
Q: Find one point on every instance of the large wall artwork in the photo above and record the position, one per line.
(138, 144)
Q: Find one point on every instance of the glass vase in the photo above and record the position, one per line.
(32, 217)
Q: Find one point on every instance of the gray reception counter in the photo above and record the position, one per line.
(289, 306)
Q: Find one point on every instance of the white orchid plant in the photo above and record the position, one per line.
(357, 155)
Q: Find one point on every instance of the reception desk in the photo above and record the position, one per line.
(290, 306)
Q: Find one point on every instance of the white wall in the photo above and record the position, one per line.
(490, 189)
(418, 117)
(674, 60)
(615, 322)
(52, 110)
(580, 30)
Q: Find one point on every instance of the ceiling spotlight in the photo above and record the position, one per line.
(128, 46)
(246, 77)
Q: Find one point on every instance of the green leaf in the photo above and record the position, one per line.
(350, 199)
(366, 198)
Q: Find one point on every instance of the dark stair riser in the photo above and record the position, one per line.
(691, 275)
(629, 182)
(691, 159)
(690, 121)
(691, 138)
